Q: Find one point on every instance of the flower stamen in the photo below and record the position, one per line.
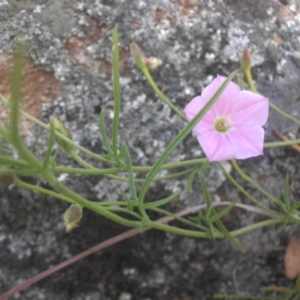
(222, 125)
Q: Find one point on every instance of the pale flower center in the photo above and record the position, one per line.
(222, 125)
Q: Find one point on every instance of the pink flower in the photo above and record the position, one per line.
(232, 128)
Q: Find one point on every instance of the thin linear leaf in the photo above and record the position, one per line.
(15, 88)
(130, 174)
(102, 128)
(218, 221)
(294, 206)
(207, 201)
(190, 181)
(126, 199)
(222, 213)
(286, 195)
(124, 210)
(49, 146)
(162, 201)
(117, 92)
(122, 152)
(206, 194)
(293, 219)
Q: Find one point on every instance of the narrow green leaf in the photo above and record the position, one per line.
(117, 92)
(16, 87)
(209, 211)
(49, 147)
(222, 213)
(206, 194)
(212, 209)
(286, 195)
(190, 181)
(292, 219)
(122, 152)
(208, 202)
(124, 210)
(294, 206)
(130, 174)
(53, 157)
(103, 132)
(126, 199)
(182, 134)
(162, 201)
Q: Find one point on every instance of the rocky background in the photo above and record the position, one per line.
(69, 75)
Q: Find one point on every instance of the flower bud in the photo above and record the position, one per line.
(138, 55)
(59, 126)
(6, 178)
(72, 217)
(153, 62)
(246, 59)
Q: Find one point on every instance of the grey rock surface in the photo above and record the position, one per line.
(196, 40)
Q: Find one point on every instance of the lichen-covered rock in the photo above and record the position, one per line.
(69, 43)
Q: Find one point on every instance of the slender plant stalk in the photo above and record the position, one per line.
(162, 97)
(251, 198)
(256, 185)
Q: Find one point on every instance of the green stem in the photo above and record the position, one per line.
(257, 186)
(137, 169)
(257, 226)
(251, 198)
(34, 162)
(235, 233)
(137, 180)
(6, 160)
(163, 98)
(281, 144)
(79, 160)
(38, 189)
(178, 218)
(47, 127)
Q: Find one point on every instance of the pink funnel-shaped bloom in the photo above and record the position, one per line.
(232, 128)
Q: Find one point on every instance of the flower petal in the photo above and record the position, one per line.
(225, 102)
(194, 107)
(206, 123)
(216, 146)
(247, 141)
(250, 109)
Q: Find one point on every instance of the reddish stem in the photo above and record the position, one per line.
(103, 245)
(284, 138)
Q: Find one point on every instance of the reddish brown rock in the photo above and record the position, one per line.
(38, 87)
